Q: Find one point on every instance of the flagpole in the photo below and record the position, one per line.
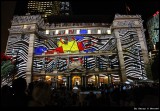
(126, 8)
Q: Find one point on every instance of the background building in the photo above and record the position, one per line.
(153, 29)
(47, 8)
(153, 43)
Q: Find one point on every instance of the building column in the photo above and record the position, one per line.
(121, 58)
(95, 80)
(67, 82)
(70, 82)
(56, 81)
(98, 82)
(30, 59)
(108, 79)
(142, 42)
(82, 80)
(86, 81)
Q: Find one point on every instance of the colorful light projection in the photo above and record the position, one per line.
(75, 45)
(83, 31)
(69, 46)
(39, 50)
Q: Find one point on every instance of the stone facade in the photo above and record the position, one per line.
(119, 49)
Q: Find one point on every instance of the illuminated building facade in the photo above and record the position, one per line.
(153, 43)
(47, 8)
(153, 30)
(78, 53)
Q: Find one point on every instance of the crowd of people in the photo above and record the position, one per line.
(40, 94)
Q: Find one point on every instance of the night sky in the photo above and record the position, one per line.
(146, 8)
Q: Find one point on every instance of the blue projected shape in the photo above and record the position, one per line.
(79, 38)
(83, 31)
(89, 50)
(39, 50)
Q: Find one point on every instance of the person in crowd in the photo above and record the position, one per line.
(41, 95)
(75, 94)
(20, 96)
(6, 95)
(91, 99)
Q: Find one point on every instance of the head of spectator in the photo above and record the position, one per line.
(19, 85)
(41, 94)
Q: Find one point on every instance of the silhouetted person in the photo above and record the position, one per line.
(6, 95)
(30, 90)
(20, 97)
(91, 99)
(41, 95)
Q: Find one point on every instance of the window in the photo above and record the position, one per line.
(99, 32)
(78, 31)
(66, 31)
(108, 31)
(89, 31)
(56, 32)
(47, 31)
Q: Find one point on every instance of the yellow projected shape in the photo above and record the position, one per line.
(70, 46)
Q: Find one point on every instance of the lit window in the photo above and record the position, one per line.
(66, 32)
(108, 31)
(47, 31)
(154, 47)
(56, 32)
(89, 31)
(25, 26)
(67, 3)
(78, 31)
(99, 32)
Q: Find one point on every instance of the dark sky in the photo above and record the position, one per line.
(146, 8)
(7, 11)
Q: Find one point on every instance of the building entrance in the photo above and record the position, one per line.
(76, 80)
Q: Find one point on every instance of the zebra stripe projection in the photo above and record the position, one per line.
(18, 48)
(132, 55)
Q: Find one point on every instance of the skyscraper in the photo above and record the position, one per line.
(47, 8)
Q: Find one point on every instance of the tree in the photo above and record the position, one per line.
(7, 66)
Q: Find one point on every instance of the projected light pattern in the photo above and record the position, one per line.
(90, 43)
(132, 55)
(18, 48)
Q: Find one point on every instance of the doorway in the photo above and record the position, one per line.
(76, 80)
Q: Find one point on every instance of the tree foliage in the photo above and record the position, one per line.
(7, 65)
(6, 68)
